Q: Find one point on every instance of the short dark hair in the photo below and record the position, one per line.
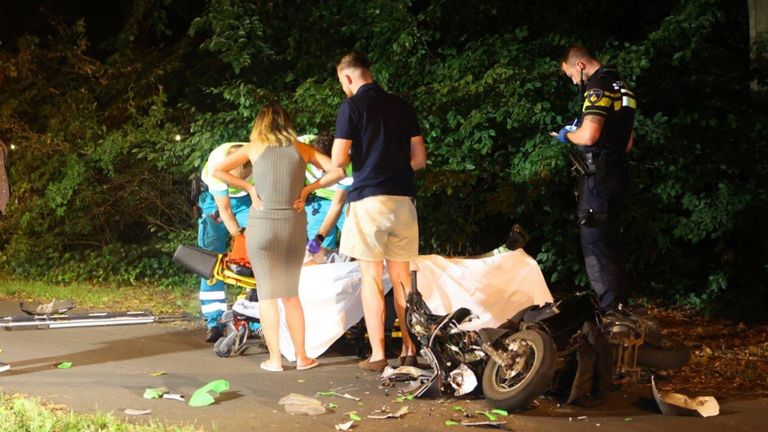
(354, 60)
(323, 143)
(576, 52)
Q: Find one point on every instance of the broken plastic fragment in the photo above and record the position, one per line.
(458, 408)
(451, 423)
(500, 412)
(490, 416)
(332, 405)
(484, 423)
(344, 426)
(682, 405)
(353, 416)
(159, 373)
(155, 393)
(174, 396)
(131, 411)
(401, 412)
(64, 365)
(202, 397)
(296, 403)
(333, 393)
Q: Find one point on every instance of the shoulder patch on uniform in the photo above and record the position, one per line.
(594, 95)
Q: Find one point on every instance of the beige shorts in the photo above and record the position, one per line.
(381, 227)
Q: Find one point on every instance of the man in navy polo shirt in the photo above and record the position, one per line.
(380, 134)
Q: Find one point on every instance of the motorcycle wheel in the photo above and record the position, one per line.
(672, 355)
(531, 375)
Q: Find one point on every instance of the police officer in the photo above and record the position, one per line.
(602, 136)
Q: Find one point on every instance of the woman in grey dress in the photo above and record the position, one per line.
(276, 232)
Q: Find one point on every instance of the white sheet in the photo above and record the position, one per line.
(494, 288)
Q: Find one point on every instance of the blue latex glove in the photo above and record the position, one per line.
(313, 246)
(567, 128)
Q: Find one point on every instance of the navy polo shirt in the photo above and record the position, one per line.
(380, 126)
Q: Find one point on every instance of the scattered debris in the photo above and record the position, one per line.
(333, 393)
(404, 373)
(451, 423)
(135, 412)
(484, 423)
(681, 405)
(155, 393)
(401, 412)
(332, 405)
(64, 365)
(174, 396)
(55, 306)
(579, 418)
(403, 398)
(296, 403)
(344, 426)
(354, 417)
(159, 373)
(202, 397)
(491, 416)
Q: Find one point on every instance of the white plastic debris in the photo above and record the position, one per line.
(344, 426)
(136, 412)
(681, 405)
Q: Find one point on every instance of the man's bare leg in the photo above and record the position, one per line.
(372, 295)
(400, 276)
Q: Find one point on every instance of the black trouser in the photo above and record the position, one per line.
(599, 214)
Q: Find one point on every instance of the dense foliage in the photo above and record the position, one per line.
(99, 180)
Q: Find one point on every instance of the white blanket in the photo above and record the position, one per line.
(494, 288)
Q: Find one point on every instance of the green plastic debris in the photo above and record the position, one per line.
(64, 365)
(353, 416)
(500, 412)
(451, 423)
(326, 393)
(155, 393)
(490, 416)
(458, 408)
(202, 397)
(332, 405)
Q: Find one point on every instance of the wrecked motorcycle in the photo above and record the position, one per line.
(569, 346)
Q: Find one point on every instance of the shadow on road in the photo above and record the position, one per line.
(118, 350)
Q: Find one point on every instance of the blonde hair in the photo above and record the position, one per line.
(273, 127)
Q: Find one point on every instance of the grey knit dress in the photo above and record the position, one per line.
(276, 235)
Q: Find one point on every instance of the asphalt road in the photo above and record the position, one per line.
(112, 366)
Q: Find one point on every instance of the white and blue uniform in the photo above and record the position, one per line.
(212, 234)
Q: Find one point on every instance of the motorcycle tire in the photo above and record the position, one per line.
(536, 380)
(673, 355)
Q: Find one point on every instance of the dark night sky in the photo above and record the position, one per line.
(104, 19)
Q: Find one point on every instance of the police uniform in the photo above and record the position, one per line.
(602, 186)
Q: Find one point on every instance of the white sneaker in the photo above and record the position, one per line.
(4, 367)
(247, 308)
